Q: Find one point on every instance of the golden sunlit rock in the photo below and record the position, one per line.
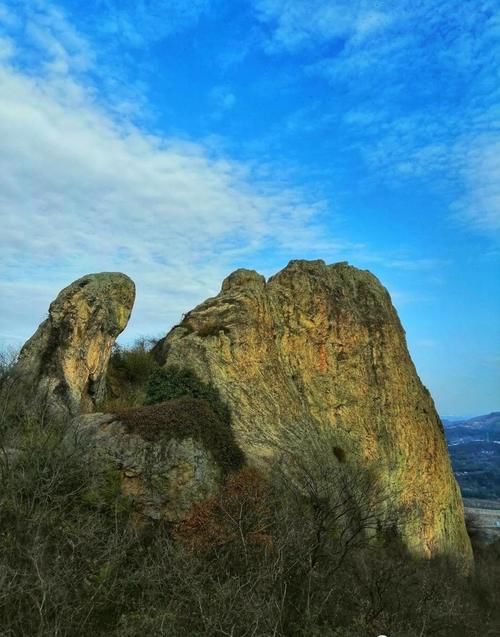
(64, 363)
(323, 344)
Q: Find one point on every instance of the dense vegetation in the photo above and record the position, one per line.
(129, 371)
(169, 401)
(294, 554)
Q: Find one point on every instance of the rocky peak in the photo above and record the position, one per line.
(323, 344)
(64, 363)
(242, 278)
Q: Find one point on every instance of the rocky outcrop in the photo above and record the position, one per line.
(64, 363)
(169, 456)
(323, 344)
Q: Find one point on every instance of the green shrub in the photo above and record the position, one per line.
(135, 364)
(171, 382)
(127, 376)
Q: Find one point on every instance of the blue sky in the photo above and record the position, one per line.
(177, 141)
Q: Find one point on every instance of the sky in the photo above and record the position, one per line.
(178, 140)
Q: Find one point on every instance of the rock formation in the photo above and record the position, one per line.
(323, 344)
(64, 363)
(168, 456)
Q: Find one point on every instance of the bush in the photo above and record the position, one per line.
(170, 382)
(136, 364)
(128, 373)
(182, 418)
(8, 358)
(241, 513)
(62, 552)
(260, 559)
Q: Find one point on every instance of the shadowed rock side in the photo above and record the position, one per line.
(64, 363)
(168, 456)
(323, 343)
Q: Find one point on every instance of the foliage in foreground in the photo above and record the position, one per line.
(285, 556)
(256, 561)
(129, 371)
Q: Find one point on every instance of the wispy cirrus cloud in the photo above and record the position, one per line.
(479, 204)
(43, 28)
(300, 24)
(419, 81)
(141, 23)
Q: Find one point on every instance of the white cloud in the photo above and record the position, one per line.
(223, 101)
(480, 205)
(303, 23)
(466, 166)
(426, 101)
(420, 90)
(64, 50)
(143, 22)
(83, 191)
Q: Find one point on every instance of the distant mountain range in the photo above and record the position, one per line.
(479, 428)
(474, 445)
(488, 419)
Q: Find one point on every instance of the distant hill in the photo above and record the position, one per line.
(487, 420)
(474, 446)
(479, 428)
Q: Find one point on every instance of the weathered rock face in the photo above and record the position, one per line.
(65, 361)
(324, 344)
(164, 465)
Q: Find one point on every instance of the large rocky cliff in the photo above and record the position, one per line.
(322, 344)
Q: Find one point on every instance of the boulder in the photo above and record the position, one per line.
(64, 363)
(169, 455)
(323, 344)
